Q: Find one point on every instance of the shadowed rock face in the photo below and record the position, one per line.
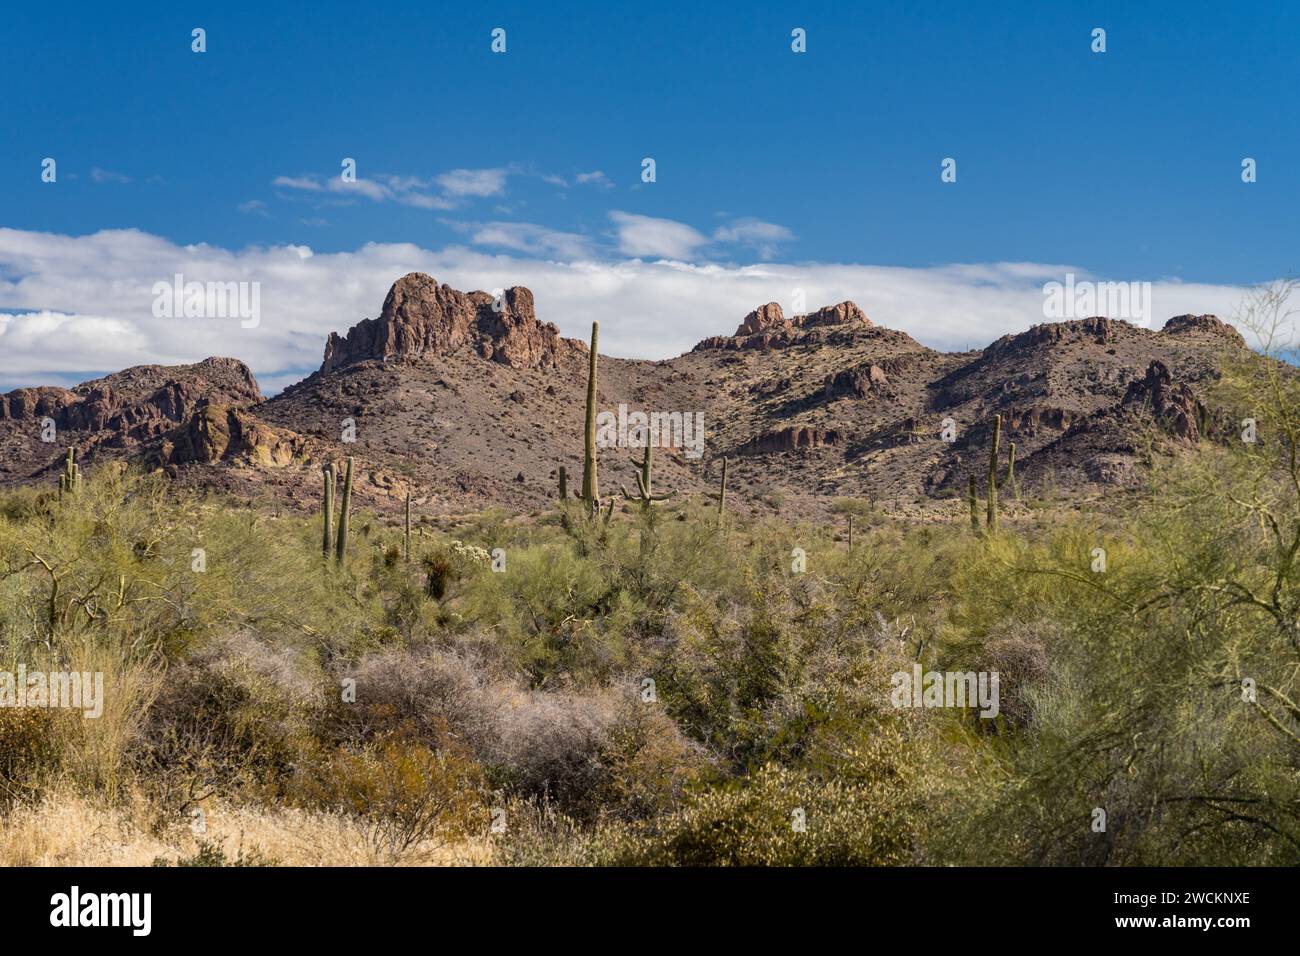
(1173, 404)
(143, 399)
(221, 433)
(421, 318)
(789, 439)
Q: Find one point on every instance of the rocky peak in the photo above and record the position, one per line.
(422, 318)
(766, 318)
(846, 313)
(767, 327)
(1210, 324)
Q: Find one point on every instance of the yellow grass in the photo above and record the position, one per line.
(69, 830)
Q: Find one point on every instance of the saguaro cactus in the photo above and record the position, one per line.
(645, 489)
(327, 509)
(850, 532)
(974, 503)
(992, 520)
(590, 483)
(1011, 471)
(722, 491)
(408, 527)
(345, 513)
(70, 480)
(564, 484)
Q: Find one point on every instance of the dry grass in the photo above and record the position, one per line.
(69, 830)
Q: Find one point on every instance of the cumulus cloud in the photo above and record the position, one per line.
(72, 307)
(473, 182)
(525, 237)
(658, 238)
(764, 238)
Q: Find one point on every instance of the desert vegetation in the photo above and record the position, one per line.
(653, 678)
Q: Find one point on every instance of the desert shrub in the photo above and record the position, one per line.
(233, 717)
(647, 764)
(408, 795)
(428, 690)
(211, 853)
(870, 811)
(31, 746)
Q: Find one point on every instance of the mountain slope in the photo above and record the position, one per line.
(468, 401)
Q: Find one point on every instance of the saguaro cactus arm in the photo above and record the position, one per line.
(992, 519)
(345, 513)
(590, 483)
(327, 509)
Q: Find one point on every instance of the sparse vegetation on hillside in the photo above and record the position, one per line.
(666, 687)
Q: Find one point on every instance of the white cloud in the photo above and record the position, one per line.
(764, 238)
(108, 176)
(525, 237)
(75, 306)
(595, 178)
(659, 238)
(473, 182)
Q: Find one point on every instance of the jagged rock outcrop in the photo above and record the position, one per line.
(846, 313)
(767, 327)
(766, 318)
(1209, 324)
(136, 402)
(856, 382)
(789, 439)
(222, 433)
(1098, 328)
(422, 318)
(1174, 405)
(24, 404)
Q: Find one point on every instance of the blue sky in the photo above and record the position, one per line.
(1126, 164)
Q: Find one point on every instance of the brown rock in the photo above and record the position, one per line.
(766, 318)
(421, 317)
(221, 433)
(789, 439)
(846, 313)
(1174, 405)
(1209, 324)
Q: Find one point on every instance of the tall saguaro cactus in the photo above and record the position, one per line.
(327, 510)
(992, 520)
(973, 501)
(590, 483)
(564, 483)
(70, 479)
(345, 513)
(722, 491)
(1011, 471)
(408, 527)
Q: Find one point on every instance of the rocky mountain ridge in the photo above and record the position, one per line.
(468, 400)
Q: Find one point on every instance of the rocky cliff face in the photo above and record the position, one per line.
(421, 318)
(223, 433)
(767, 327)
(1174, 404)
